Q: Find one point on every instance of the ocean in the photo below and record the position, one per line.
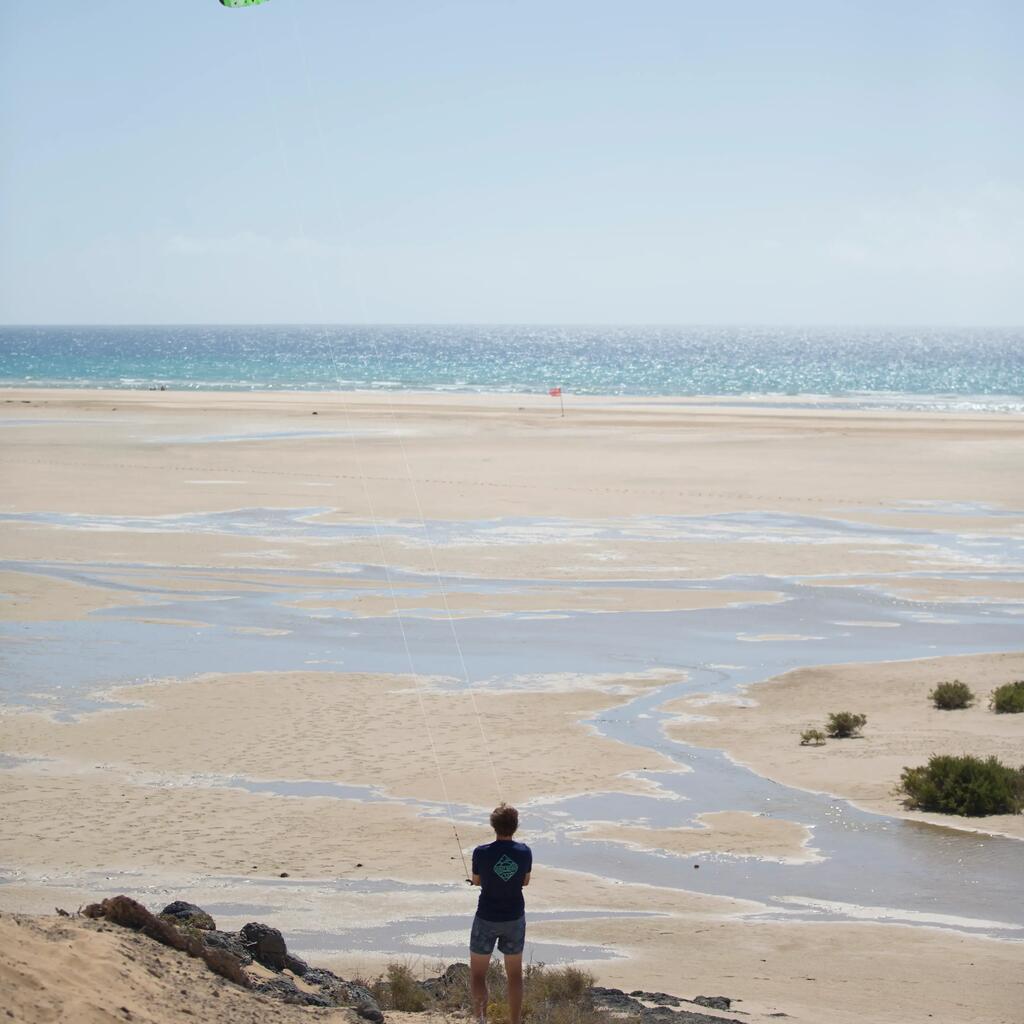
(970, 369)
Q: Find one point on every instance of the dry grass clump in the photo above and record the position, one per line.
(126, 912)
(398, 989)
(551, 995)
(559, 995)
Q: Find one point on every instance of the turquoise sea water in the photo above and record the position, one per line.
(961, 368)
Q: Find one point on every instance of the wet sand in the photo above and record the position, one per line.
(218, 782)
(736, 833)
(903, 729)
(360, 731)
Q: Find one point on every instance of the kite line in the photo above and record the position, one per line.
(328, 344)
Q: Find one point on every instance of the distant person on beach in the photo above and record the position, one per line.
(502, 870)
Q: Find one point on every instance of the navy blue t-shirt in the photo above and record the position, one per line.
(502, 866)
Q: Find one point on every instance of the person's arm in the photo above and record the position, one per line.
(526, 879)
(475, 880)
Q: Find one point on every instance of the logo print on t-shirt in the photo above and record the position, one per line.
(506, 867)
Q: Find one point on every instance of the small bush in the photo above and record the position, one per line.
(812, 738)
(557, 984)
(952, 696)
(551, 995)
(1008, 699)
(964, 785)
(400, 990)
(497, 985)
(498, 1012)
(558, 995)
(844, 724)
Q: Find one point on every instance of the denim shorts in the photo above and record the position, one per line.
(510, 936)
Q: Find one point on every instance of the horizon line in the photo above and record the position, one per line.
(692, 325)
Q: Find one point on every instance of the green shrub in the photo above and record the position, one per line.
(964, 785)
(1008, 699)
(844, 724)
(812, 738)
(952, 696)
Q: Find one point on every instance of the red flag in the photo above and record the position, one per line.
(555, 392)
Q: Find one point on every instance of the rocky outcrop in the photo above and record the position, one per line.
(713, 1002)
(266, 945)
(231, 942)
(188, 913)
(295, 964)
(287, 991)
(453, 981)
(129, 914)
(187, 927)
(663, 1012)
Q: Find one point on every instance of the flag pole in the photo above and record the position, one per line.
(561, 400)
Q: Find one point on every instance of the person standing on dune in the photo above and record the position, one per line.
(502, 870)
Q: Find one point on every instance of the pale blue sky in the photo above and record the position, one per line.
(559, 161)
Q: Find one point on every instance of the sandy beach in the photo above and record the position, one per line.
(903, 729)
(242, 640)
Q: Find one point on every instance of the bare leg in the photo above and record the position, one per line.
(478, 964)
(514, 974)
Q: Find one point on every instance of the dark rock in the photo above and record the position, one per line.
(615, 999)
(230, 942)
(455, 974)
(321, 976)
(278, 986)
(332, 988)
(266, 945)
(288, 992)
(689, 1017)
(454, 978)
(713, 1002)
(361, 998)
(281, 988)
(296, 964)
(662, 1015)
(188, 913)
(358, 995)
(663, 999)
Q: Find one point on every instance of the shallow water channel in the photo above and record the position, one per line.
(872, 866)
